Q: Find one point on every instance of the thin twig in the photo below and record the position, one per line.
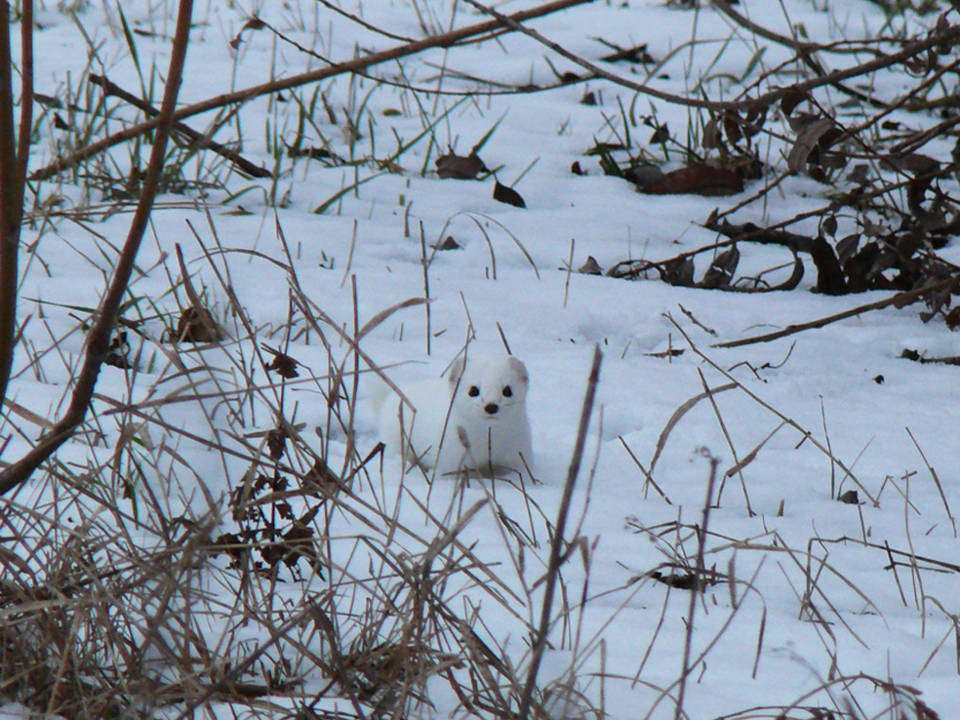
(240, 96)
(899, 300)
(111, 88)
(944, 37)
(792, 423)
(699, 572)
(557, 542)
(98, 341)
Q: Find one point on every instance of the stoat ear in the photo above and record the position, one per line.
(517, 366)
(456, 371)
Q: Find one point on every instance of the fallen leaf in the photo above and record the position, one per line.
(721, 271)
(282, 364)
(660, 135)
(643, 175)
(590, 267)
(448, 244)
(679, 272)
(698, 179)
(830, 280)
(507, 195)
(793, 98)
(460, 167)
(731, 126)
(711, 134)
(196, 325)
(828, 226)
(850, 497)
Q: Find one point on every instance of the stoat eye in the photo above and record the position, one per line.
(473, 391)
(507, 391)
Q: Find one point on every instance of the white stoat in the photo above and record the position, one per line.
(475, 421)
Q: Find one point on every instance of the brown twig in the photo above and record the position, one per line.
(764, 404)
(111, 88)
(917, 357)
(735, 233)
(944, 37)
(363, 23)
(557, 542)
(98, 341)
(26, 94)
(699, 572)
(13, 170)
(526, 89)
(804, 50)
(953, 567)
(899, 300)
(442, 40)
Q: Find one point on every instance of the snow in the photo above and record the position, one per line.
(768, 635)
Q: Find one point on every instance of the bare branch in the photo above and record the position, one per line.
(943, 37)
(98, 341)
(240, 96)
(13, 169)
(899, 300)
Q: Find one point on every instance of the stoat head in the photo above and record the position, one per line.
(489, 386)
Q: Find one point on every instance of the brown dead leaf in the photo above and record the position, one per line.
(792, 99)
(679, 272)
(953, 318)
(282, 364)
(915, 163)
(508, 195)
(697, 179)
(460, 167)
(711, 134)
(807, 140)
(830, 279)
(850, 497)
(196, 325)
(590, 267)
(721, 271)
(276, 443)
(731, 126)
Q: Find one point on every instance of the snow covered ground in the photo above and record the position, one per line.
(805, 592)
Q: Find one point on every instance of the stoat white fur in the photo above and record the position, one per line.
(475, 421)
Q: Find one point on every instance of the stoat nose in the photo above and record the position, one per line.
(491, 408)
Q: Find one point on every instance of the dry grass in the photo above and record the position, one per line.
(279, 574)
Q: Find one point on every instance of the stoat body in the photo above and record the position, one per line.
(475, 421)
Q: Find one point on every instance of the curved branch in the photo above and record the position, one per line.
(98, 340)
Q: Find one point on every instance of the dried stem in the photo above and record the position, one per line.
(557, 542)
(98, 341)
(698, 578)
